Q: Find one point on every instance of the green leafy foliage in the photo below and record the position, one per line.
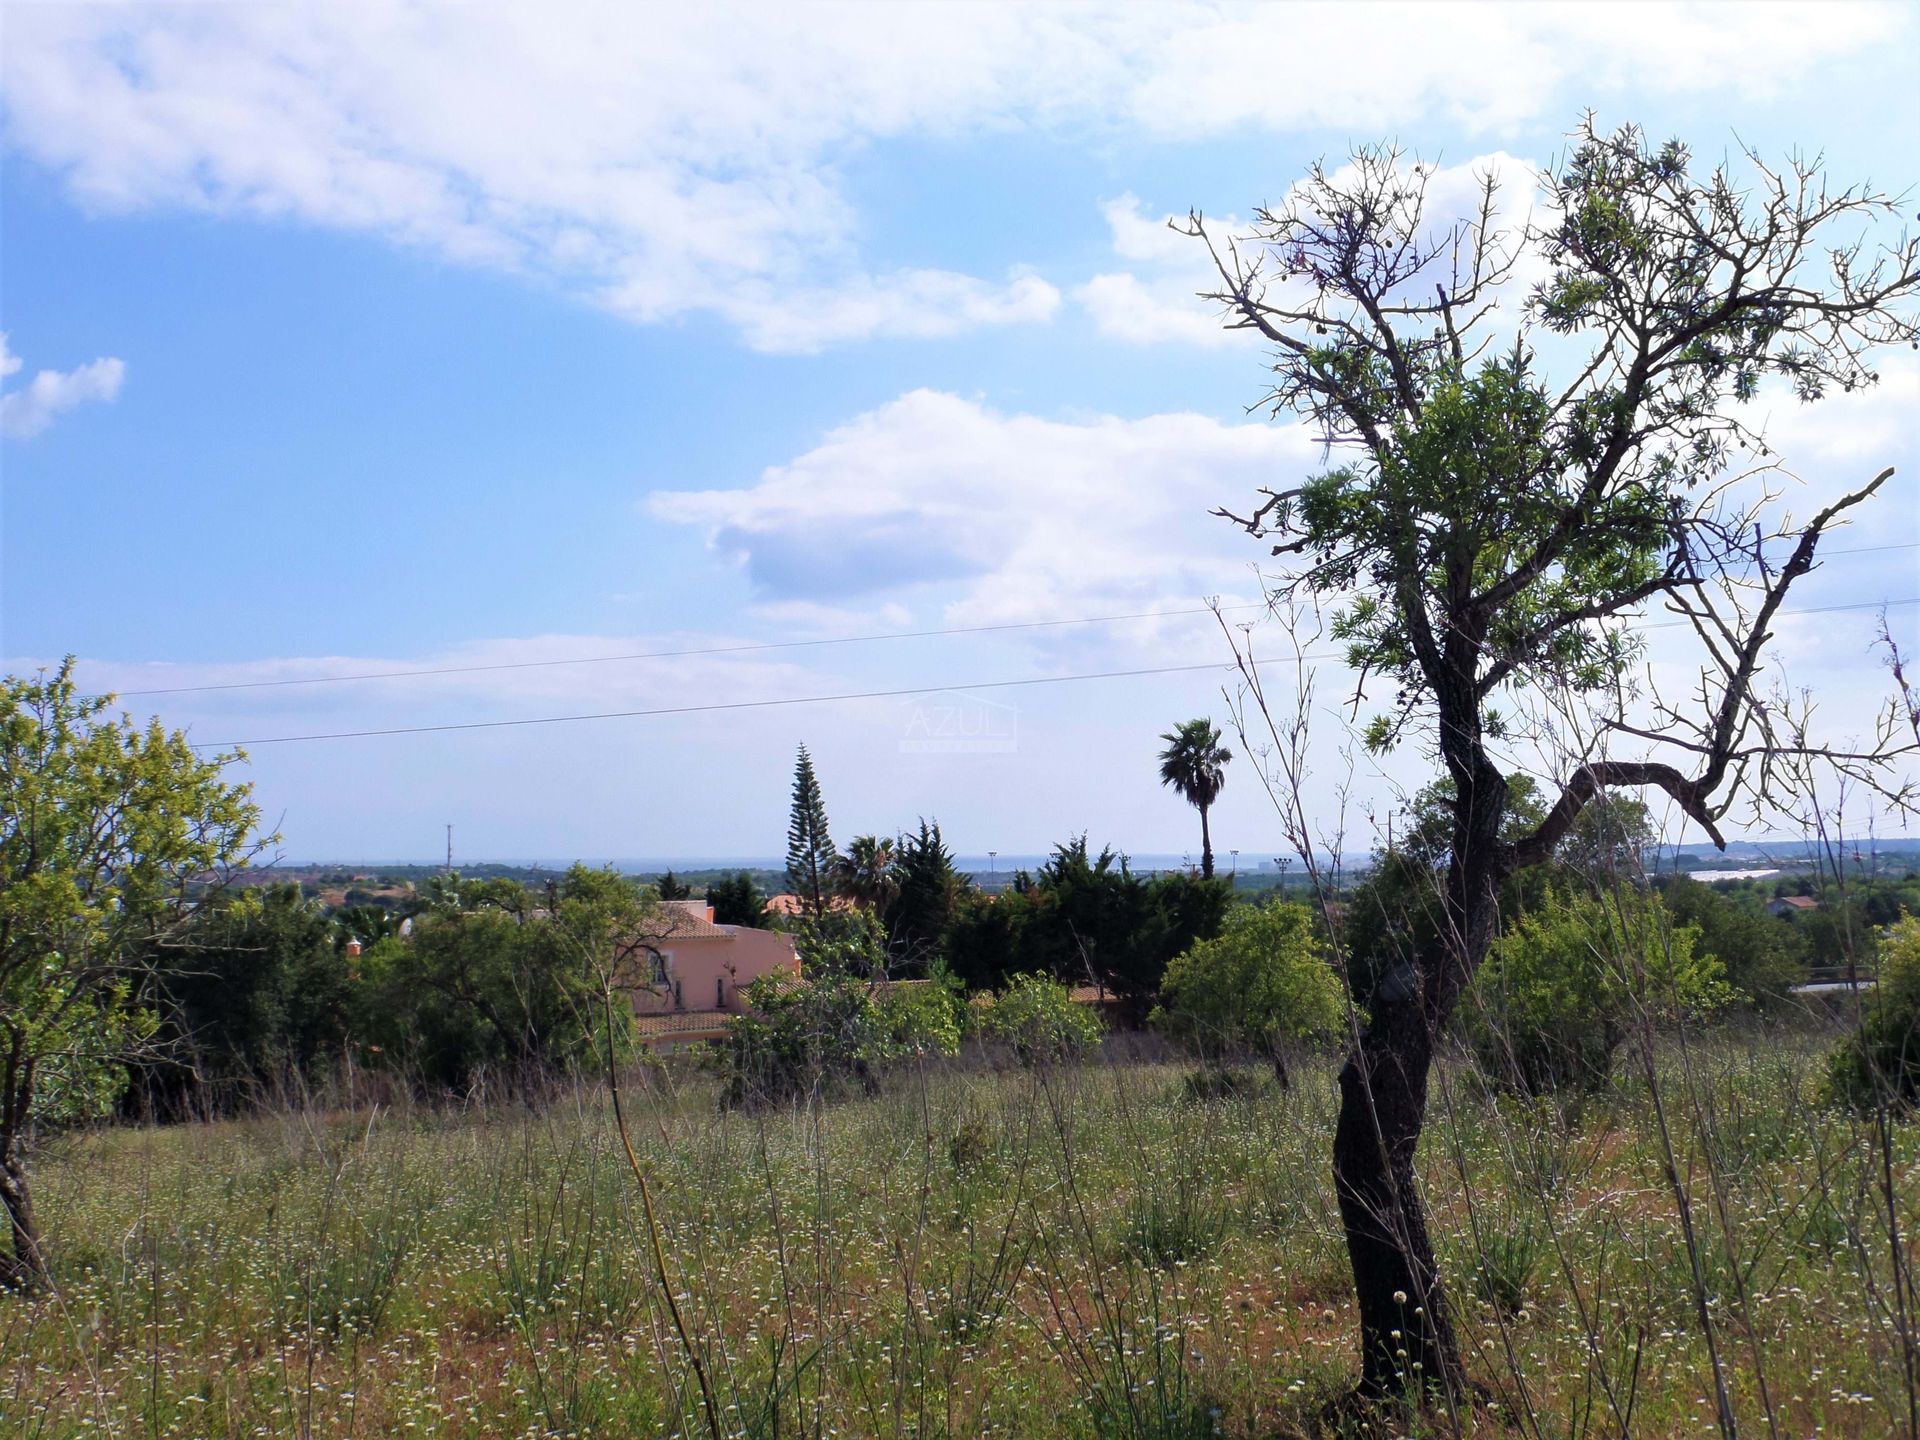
(110, 835)
(927, 895)
(1563, 985)
(736, 900)
(841, 942)
(1036, 1019)
(1880, 1064)
(833, 1032)
(1086, 918)
(491, 987)
(256, 992)
(1264, 982)
(1760, 955)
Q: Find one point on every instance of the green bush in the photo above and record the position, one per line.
(800, 1038)
(1037, 1019)
(1264, 983)
(833, 1032)
(1563, 984)
(1880, 1064)
(921, 1017)
(487, 984)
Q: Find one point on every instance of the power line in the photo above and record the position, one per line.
(895, 694)
(730, 705)
(756, 646)
(682, 654)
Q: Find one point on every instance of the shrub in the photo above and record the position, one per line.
(833, 1031)
(921, 1017)
(1759, 954)
(799, 1037)
(1880, 1063)
(1558, 991)
(1263, 982)
(1511, 1258)
(1037, 1019)
(487, 984)
(841, 942)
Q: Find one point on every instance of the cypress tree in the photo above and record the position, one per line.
(810, 852)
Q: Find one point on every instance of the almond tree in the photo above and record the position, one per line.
(111, 836)
(1513, 472)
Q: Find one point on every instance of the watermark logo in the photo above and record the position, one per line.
(953, 722)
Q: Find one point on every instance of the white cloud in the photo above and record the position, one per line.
(667, 161)
(1854, 430)
(27, 411)
(1000, 518)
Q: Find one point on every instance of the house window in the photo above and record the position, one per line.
(658, 972)
(719, 992)
(679, 1000)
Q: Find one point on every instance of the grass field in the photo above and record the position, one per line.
(1104, 1250)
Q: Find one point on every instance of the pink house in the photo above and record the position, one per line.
(698, 966)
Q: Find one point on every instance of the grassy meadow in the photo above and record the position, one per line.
(1106, 1250)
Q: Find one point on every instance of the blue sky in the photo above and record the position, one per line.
(350, 338)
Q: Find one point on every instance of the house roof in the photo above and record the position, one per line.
(1798, 902)
(686, 919)
(693, 1025)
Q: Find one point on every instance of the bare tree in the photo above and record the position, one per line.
(1534, 428)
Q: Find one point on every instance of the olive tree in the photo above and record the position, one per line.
(111, 835)
(1535, 427)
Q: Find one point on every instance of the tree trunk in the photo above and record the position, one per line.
(1406, 1333)
(26, 1267)
(1407, 1339)
(1206, 845)
(1277, 1057)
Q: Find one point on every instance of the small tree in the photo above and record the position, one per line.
(1195, 764)
(926, 898)
(111, 836)
(500, 989)
(1039, 1021)
(1507, 481)
(810, 853)
(1562, 987)
(736, 900)
(1263, 982)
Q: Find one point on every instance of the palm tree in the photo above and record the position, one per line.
(1195, 764)
(864, 873)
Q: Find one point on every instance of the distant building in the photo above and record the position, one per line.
(1789, 907)
(700, 969)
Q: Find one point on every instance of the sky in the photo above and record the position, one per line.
(343, 340)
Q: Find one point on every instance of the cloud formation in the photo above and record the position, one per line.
(1000, 517)
(665, 162)
(27, 411)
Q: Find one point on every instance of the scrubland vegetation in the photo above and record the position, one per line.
(1114, 1247)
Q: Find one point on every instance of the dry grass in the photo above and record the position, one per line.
(1089, 1251)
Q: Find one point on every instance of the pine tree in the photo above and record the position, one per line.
(810, 852)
